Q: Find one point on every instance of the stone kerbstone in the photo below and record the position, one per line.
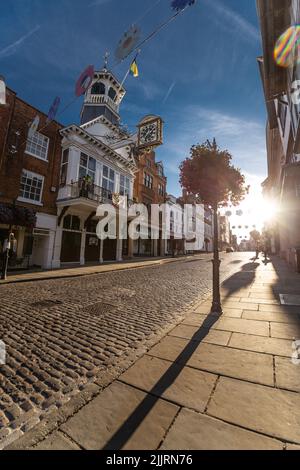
(56, 441)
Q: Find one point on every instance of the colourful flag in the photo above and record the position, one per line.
(134, 69)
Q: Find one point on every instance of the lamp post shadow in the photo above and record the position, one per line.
(128, 428)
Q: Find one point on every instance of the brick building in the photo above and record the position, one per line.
(149, 188)
(29, 181)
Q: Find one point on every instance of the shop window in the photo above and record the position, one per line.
(72, 222)
(91, 226)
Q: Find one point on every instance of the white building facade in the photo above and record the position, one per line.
(97, 167)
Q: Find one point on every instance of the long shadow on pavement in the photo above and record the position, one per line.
(241, 279)
(120, 438)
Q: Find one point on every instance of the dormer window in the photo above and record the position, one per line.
(112, 94)
(98, 89)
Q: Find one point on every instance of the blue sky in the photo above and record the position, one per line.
(200, 73)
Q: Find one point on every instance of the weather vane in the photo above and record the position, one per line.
(106, 57)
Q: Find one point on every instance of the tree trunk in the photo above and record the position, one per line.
(216, 305)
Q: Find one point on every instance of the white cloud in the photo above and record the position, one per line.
(12, 48)
(170, 89)
(241, 25)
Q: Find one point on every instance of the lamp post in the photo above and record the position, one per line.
(216, 304)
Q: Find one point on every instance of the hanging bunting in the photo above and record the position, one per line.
(53, 110)
(128, 42)
(2, 91)
(84, 81)
(34, 127)
(178, 5)
(134, 70)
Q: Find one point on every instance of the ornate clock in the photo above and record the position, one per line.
(150, 133)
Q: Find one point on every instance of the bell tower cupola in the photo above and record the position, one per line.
(103, 98)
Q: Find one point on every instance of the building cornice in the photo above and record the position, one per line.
(74, 129)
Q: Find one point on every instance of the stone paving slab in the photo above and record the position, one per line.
(261, 295)
(181, 385)
(250, 327)
(218, 360)
(57, 441)
(287, 374)
(236, 325)
(227, 312)
(231, 362)
(278, 347)
(266, 410)
(271, 317)
(284, 331)
(97, 422)
(240, 305)
(261, 301)
(285, 309)
(194, 333)
(193, 431)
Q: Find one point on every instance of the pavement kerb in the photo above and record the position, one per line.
(101, 269)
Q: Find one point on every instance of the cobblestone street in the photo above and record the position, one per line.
(62, 334)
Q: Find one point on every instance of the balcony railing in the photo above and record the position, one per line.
(86, 190)
(90, 191)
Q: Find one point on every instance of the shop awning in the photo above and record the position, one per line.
(17, 215)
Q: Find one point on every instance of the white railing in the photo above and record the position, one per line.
(101, 99)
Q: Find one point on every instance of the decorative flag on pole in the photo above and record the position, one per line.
(134, 71)
(128, 42)
(84, 81)
(2, 91)
(178, 5)
(53, 110)
(33, 127)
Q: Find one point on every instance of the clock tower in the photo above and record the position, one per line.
(103, 98)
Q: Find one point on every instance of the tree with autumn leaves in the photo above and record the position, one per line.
(209, 176)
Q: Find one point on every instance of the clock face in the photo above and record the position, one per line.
(149, 133)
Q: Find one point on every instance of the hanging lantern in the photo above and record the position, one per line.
(84, 81)
(53, 110)
(128, 42)
(228, 214)
(239, 213)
